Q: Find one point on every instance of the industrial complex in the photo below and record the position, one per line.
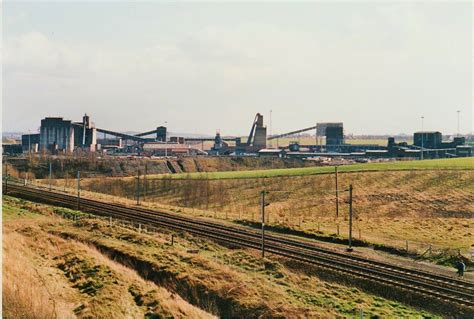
(61, 136)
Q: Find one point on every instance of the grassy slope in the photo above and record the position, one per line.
(438, 164)
(45, 276)
(233, 277)
(425, 205)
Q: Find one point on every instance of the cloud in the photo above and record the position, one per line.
(34, 53)
(397, 58)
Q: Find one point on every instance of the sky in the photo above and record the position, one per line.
(204, 66)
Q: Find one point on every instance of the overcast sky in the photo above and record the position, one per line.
(132, 66)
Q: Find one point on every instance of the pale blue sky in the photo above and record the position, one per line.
(208, 66)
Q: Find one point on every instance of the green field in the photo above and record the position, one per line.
(437, 164)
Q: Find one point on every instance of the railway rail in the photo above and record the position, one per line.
(444, 288)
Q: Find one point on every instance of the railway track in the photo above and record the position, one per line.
(437, 286)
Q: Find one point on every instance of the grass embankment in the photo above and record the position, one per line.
(424, 206)
(226, 282)
(45, 276)
(38, 168)
(437, 164)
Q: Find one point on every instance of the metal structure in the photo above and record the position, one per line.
(350, 218)
(334, 132)
(322, 127)
(291, 133)
(258, 134)
(59, 135)
(122, 135)
(160, 132)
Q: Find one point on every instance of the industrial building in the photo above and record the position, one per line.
(170, 149)
(85, 134)
(161, 134)
(58, 135)
(30, 143)
(334, 132)
(427, 139)
(426, 145)
(11, 148)
(115, 143)
(257, 138)
(334, 135)
(434, 140)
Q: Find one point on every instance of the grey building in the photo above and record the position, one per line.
(59, 135)
(30, 142)
(334, 135)
(56, 134)
(428, 139)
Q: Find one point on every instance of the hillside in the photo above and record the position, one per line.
(59, 263)
(394, 204)
(438, 164)
(124, 166)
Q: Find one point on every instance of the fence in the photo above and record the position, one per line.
(389, 207)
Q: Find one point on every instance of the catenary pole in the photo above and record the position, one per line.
(144, 182)
(350, 218)
(50, 173)
(78, 190)
(138, 187)
(263, 222)
(337, 193)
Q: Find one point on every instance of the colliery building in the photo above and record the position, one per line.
(56, 134)
(60, 135)
(434, 140)
(30, 142)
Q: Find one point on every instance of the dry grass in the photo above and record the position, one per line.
(230, 282)
(424, 207)
(45, 276)
(28, 289)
